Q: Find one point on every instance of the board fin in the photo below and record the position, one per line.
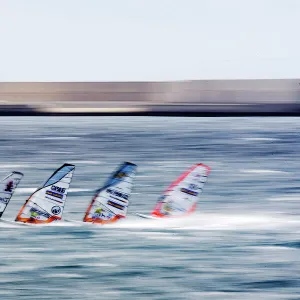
(110, 203)
(47, 203)
(181, 197)
(7, 188)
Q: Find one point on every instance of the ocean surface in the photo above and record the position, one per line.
(243, 242)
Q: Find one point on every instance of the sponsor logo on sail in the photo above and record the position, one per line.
(116, 205)
(100, 213)
(187, 191)
(36, 212)
(58, 189)
(121, 175)
(203, 174)
(117, 194)
(56, 210)
(4, 200)
(53, 194)
(194, 186)
(9, 186)
(168, 207)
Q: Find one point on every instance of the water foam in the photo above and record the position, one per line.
(211, 221)
(263, 171)
(259, 139)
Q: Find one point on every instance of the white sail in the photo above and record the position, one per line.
(110, 203)
(7, 188)
(47, 203)
(183, 194)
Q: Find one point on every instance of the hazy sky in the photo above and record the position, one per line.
(120, 40)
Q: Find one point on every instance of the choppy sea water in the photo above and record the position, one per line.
(242, 243)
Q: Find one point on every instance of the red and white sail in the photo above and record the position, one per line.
(47, 203)
(182, 195)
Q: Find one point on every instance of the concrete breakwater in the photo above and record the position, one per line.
(195, 97)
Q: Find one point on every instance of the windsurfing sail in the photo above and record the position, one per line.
(110, 203)
(7, 188)
(182, 195)
(47, 203)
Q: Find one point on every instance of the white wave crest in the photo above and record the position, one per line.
(3, 166)
(259, 139)
(262, 171)
(211, 221)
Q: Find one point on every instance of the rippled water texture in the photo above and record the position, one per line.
(242, 243)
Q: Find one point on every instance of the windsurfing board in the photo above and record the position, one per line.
(76, 222)
(146, 216)
(12, 222)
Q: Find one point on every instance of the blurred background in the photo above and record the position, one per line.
(164, 84)
(182, 98)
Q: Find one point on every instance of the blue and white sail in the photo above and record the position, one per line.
(110, 203)
(47, 203)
